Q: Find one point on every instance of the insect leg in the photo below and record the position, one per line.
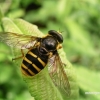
(19, 56)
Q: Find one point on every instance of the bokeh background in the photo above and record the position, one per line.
(79, 22)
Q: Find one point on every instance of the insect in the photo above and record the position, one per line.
(41, 51)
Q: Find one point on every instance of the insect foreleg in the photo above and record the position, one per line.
(19, 56)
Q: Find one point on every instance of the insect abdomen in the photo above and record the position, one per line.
(33, 63)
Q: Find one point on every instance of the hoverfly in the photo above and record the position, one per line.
(41, 51)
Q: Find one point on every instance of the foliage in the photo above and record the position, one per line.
(41, 82)
(80, 21)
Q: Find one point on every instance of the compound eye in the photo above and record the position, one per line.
(57, 35)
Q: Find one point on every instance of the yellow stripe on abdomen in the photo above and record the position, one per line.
(37, 68)
(43, 63)
(27, 60)
(35, 56)
(32, 54)
(32, 73)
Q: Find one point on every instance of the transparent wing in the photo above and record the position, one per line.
(58, 75)
(18, 40)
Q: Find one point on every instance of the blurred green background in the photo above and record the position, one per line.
(79, 22)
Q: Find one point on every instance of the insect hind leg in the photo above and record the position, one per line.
(19, 56)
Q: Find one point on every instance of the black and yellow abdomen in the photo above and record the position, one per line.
(33, 62)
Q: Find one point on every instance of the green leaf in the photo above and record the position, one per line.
(89, 81)
(79, 38)
(1, 15)
(41, 86)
